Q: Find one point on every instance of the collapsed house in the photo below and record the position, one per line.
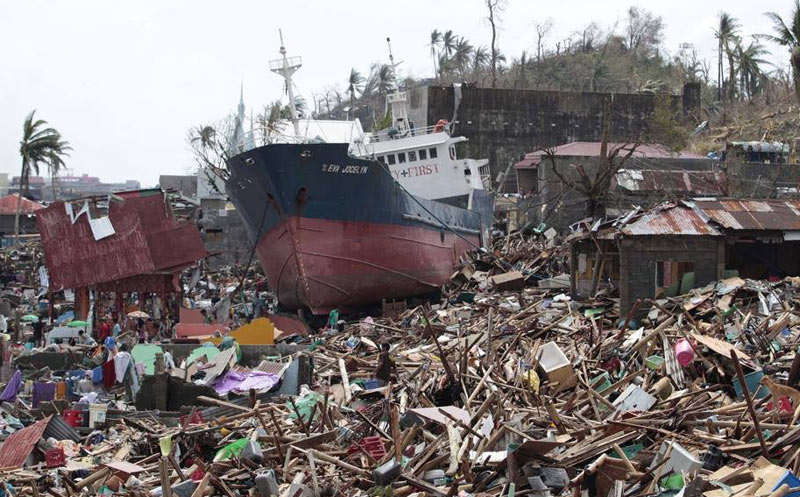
(675, 247)
(122, 243)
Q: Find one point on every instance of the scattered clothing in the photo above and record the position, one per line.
(13, 386)
(43, 392)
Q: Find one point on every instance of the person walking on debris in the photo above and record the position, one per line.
(103, 332)
(386, 366)
(117, 328)
(38, 333)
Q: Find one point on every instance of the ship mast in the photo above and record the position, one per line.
(397, 100)
(286, 66)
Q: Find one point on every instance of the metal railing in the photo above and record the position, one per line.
(388, 135)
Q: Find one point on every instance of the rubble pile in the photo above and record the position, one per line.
(499, 389)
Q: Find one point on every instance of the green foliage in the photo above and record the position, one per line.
(665, 125)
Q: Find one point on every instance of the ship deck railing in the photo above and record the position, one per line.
(388, 135)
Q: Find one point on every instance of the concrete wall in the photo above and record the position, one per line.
(639, 254)
(502, 125)
(224, 236)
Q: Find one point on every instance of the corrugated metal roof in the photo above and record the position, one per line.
(20, 444)
(673, 221)
(688, 182)
(147, 239)
(762, 214)
(8, 205)
(60, 430)
(592, 149)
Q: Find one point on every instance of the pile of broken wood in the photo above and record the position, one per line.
(508, 392)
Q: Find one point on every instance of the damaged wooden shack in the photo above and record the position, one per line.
(677, 246)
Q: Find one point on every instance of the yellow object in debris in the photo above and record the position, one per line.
(260, 331)
(532, 379)
(224, 432)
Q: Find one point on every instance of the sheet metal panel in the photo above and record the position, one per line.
(674, 221)
(19, 445)
(753, 215)
(146, 239)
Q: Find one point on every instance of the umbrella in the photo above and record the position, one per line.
(29, 318)
(138, 314)
(78, 324)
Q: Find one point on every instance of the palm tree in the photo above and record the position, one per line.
(462, 54)
(750, 62)
(726, 34)
(204, 136)
(449, 40)
(436, 42)
(480, 59)
(55, 162)
(39, 144)
(789, 37)
(355, 83)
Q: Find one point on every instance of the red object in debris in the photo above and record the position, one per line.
(374, 446)
(198, 475)
(197, 418)
(73, 418)
(55, 457)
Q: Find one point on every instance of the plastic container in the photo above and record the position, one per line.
(73, 418)
(684, 352)
(97, 414)
(266, 484)
(386, 473)
(252, 452)
(55, 457)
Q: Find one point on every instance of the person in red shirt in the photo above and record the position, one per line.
(104, 331)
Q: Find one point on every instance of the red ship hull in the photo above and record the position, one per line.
(322, 264)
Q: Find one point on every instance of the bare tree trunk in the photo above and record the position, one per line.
(491, 4)
(731, 74)
(19, 202)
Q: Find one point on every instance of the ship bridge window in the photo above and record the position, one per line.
(423, 154)
(390, 159)
(432, 153)
(382, 159)
(452, 152)
(401, 158)
(412, 156)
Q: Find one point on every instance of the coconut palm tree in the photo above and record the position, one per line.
(480, 60)
(55, 162)
(726, 35)
(750, 72)
(39, 144)
(788, 35)
(355, 83)
(434, 44)
(462, 54)
(449, 40)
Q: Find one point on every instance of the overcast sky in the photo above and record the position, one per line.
(125, 80)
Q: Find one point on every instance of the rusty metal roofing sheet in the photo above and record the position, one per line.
(8, 205)
(762, 214)
(147, 239)
(673, 221)
(20, 444)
